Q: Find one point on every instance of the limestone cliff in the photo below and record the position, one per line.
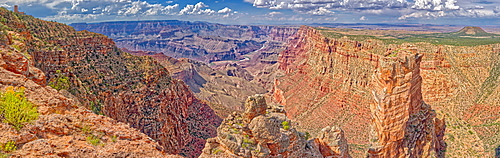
(265, 131)
(130, 89)
(62, 128)
(326, 73)
(225, 91)
(327, 79)
(403, 124)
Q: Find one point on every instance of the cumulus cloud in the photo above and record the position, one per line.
(404, 9)
(196, 9)
(320, 11)
(323, 7)
(225, 11)
(423, 15)
(83, 10)
(435, 5)
(432, 9)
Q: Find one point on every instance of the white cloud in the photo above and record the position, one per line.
(363, 18)
(83, 10)
(313, 6)
(275, 13)
(320, 11)
(423, 15)
(225, 11)
(435, 5)
(196, 9)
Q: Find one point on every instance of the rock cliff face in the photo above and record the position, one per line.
(327, 79)
(264, 131)
(225, 91)
(403, 124)
(62, 129)
(201, 41)
(325, 76)
(130, 89)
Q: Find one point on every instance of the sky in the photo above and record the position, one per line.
(450, 12)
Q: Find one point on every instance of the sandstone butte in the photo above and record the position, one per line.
(327, 81)
(63, 128)
(129, 89)
(403, 125)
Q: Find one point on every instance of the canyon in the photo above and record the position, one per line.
(63, 127)
(225, 89)
(224, 82)
(129, 89)
(202, 41)
(328, 78)
(322, 77)
(186, 89)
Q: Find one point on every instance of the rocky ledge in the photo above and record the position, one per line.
(265, 131)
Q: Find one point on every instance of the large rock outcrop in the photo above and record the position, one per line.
(62, 129)
(403, 124)
(265, 131)
(130, 89)
(329, 71)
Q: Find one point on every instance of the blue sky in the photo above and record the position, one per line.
(457, 12)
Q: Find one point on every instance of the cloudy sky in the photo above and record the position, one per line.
(457, 12)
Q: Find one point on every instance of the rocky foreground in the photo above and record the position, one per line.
(265, 131)
(62, 128)
(90, 69)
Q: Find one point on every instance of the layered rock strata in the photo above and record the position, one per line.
(62, 128)
(225, 91)
(326, 73)
(201, 41)
(404, 125)
(130, 89)
(265, 131)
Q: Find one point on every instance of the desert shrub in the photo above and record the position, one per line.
(16, 109)
(94, 140)
(60, 82)
(285, 125)
(10, 146)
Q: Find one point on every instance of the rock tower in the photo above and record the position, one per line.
(403, 124)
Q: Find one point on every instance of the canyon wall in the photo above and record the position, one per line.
(225, 91)
(329, 79)
(62, 127)
(403, 124)
(201, 41)
(130, 89)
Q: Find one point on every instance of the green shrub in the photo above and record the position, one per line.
(285, 125)
(215, 151)
(307, 135)
(16, 109)
(10, 146)
(60, 82)
(114, 138)
(94, 140)
(248, 141)
(86, 129)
